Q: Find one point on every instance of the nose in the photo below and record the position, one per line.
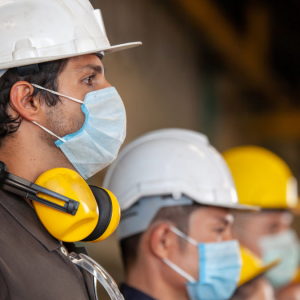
(228, 234)
(107, 84)
(101, 84)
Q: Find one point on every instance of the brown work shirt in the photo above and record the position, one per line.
(33, 264)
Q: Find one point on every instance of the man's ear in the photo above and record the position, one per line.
(162, 240)
(22, 101)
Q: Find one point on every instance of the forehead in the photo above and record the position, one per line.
(209, 214)
(78, 62)
(282, 217)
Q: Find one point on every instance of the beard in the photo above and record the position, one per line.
(61, 123)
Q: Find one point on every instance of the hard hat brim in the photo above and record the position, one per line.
(259, 272)
(231, 206)
(37, 60)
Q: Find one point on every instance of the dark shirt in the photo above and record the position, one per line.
(33, 264)
(131, 293)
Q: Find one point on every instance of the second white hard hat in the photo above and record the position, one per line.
(172, 162)
(35, 31)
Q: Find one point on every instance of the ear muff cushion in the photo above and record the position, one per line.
(105, 213)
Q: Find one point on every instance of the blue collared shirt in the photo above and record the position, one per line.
(131, 293)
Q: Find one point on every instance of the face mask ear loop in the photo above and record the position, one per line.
(178, 270)
(47, 130)
(56, 93)
(184, 236)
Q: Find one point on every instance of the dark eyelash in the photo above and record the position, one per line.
(92, 76)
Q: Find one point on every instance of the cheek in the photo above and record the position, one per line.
(67, 118)
(252, 243)
(189, 260)
(283, 227)
(258, 294)
(210, 236)
(73, 110)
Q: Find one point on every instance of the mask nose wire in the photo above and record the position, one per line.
(56, 93)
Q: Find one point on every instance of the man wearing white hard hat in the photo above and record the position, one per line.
(56, 111)
(175, 192)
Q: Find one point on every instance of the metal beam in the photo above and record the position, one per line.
(247, 54)
(278, 126)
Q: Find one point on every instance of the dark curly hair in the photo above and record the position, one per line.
(45, 77)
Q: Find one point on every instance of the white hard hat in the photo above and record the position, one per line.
(177, 163)
(36, 31)
(172, 162)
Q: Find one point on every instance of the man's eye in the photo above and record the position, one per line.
(220, 230)
(89, 80)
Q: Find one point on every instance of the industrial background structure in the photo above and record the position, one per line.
(229, 69)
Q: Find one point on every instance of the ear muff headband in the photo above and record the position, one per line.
(105, 213)
(115, 217)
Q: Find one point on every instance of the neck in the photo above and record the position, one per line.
(28, 156)
(146, 277)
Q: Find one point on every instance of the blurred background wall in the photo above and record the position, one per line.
(229, 69)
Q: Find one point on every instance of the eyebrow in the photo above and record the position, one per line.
(226, 221)
(96, 68)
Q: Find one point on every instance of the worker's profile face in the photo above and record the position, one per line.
(211, 224)
(82, 74)
(206, 225)
(258, 225)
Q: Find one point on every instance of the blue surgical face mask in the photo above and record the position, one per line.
(219, 269)
(286, 247)
(98, 142)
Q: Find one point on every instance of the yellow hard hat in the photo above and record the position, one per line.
(262, 178)
(252, 266)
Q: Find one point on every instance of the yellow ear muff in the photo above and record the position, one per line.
(98, 213)
(63, 226)
(109, 217)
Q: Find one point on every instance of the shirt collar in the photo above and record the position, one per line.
(25, 215)
(131, 293)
